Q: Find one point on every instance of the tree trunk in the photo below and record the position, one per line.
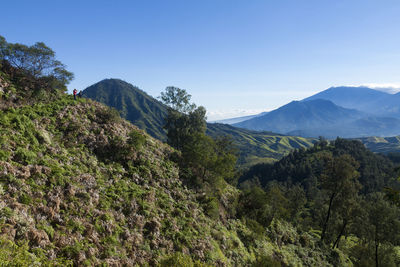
(327, 216)
(340, 235)
(376, 247)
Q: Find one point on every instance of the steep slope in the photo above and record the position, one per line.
(81, 186)
(135, 105)
(365, 99)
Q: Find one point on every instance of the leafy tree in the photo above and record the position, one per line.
(253, 204)
(181, 127)
(379, 227)
(339, 180)
(205, 161)
(177, 99)
(36, 61)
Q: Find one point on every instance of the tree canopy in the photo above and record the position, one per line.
(37, 61)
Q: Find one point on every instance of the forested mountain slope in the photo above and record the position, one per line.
(79, 185)
(134, 104)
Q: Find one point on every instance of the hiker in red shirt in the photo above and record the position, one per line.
(74, 92)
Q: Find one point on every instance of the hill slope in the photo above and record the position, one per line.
(81, 186)
(135, 105)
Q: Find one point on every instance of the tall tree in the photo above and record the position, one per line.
(339, 180)
(204, 160)
(383, 223)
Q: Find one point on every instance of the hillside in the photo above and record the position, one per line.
(81, 186)
(134, 105)
(255, 147)
(147, 113)
(382, 144)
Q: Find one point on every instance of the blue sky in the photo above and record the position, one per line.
(234, 57)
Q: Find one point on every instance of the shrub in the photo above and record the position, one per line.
(24, 156)
(266, 261)
(136, 140)
(178, 260)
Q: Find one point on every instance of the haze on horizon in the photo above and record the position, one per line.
(235, 57)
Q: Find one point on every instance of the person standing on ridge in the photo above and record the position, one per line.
(74, 92)
(80, 94)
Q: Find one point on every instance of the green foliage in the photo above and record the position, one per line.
(266, 261)
(24, 156)
(180, 260)
(212, 208)
(177, 99)
(37, 61)
(253, 204)
(136, 140)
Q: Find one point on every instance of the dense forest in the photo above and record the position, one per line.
(338, 189)
(81, 186)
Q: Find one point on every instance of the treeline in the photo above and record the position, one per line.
(339, 190)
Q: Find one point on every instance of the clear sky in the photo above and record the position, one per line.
(234, 57)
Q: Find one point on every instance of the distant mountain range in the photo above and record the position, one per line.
(148, 114)
(338, 111)
(364, 99)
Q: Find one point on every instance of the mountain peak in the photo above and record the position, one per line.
(134, 104)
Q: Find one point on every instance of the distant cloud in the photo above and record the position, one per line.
(390, 88)
(214, 115)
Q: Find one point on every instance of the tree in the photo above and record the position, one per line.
(183, 119)
(204, 160)
(339, 180)
(37, 61)
(381, 224)
(177, 99)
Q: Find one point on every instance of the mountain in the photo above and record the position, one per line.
(147, 113)
(134, 104)
(301, 115)
(365, 99)
(320, 117)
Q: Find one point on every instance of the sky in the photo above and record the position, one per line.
(234, 57)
